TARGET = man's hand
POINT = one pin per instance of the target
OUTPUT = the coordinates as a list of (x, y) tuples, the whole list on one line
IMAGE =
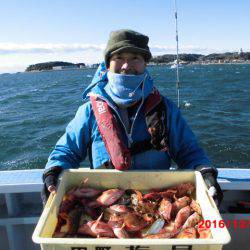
[(52, 189), (50, 179), (210, 177)]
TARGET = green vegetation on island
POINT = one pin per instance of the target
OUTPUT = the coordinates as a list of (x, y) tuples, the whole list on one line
[(54, 65)]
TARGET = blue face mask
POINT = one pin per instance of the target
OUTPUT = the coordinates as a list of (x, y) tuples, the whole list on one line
[(125, 90)]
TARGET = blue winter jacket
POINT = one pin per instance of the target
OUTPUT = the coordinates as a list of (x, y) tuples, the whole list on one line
[(82, 137)]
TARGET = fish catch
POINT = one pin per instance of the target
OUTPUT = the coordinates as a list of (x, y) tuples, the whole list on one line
[(116, 213)]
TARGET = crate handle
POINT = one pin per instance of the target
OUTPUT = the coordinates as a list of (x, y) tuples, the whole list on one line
[(50, 199), (211, 200), (182, 247)]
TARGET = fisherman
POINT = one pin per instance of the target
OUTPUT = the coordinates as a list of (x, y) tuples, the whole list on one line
[(125, 123)]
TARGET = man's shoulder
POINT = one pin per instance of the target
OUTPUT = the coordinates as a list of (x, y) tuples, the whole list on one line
[(169, 103), (85, 105), (85, 109)]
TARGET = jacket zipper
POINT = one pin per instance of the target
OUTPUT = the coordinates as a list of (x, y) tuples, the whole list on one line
[(136, 114), (129, 135)]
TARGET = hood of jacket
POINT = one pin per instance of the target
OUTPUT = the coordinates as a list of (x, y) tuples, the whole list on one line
[(99, 81)]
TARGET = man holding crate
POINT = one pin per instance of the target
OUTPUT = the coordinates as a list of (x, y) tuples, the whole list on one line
[(125, 123)]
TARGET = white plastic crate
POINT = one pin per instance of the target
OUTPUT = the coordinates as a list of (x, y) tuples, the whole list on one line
[(140, 180)]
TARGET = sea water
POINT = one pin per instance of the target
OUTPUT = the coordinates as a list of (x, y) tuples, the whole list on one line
[(35, 108)]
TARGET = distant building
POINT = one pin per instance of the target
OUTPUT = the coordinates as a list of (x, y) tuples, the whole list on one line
[(240, 51), (64, 67), (57, 67)]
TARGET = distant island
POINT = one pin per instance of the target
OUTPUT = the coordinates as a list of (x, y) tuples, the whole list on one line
[(228, 57), (53, 66)]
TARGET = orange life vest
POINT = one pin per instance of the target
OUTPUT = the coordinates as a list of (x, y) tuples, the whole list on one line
[(110, 130)]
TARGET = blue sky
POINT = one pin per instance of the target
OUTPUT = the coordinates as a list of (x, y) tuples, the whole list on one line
[(35, 31)]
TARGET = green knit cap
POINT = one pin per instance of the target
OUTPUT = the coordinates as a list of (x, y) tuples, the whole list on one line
[(125, 40)]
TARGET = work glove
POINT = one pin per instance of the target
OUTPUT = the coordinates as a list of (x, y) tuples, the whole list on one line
[(209, 175), (50, 178)]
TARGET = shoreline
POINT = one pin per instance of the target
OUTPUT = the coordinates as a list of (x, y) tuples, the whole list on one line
[(200, 63), (149, 65)]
